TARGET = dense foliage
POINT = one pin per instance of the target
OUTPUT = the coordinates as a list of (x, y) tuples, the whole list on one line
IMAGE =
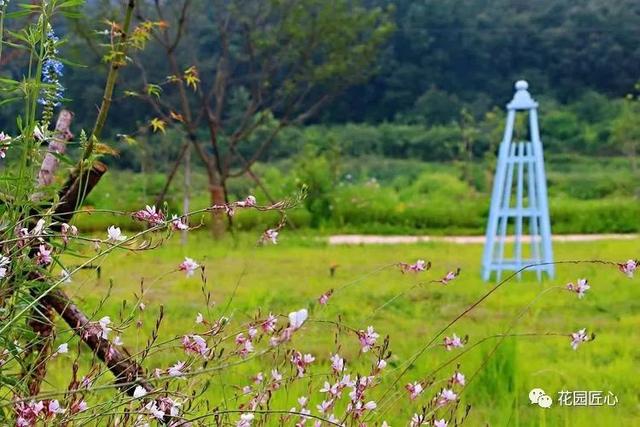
[(444, 55)]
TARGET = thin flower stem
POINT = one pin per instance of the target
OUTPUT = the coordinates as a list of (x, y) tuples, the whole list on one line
[(477, 303), (263, 412), (397, 395)]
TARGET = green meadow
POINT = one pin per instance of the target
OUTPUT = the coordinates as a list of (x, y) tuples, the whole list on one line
[(244, 280)]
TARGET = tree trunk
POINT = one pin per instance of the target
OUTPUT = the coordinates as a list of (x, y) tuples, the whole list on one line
[(171, 174), (41, 322), (186, 201), (218, 197)]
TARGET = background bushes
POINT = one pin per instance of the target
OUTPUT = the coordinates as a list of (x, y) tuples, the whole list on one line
[(374, 194)]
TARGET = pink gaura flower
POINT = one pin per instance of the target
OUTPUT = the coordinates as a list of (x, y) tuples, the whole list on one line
[(103, 327), (358, 407), (277, 376), (367, 338), (381, 364), (270, 235), (23, 235), (415, 389), (43, 257), (65, 276), (4, 264), (249, 202), (5, 141), (325, 406), (68, 230), (370, 405), (149, 214), (154, 410), (335, 390), (324, 298), (277, 379), (450, 276), (230, 210), (258, 378), (114, 234), (297, 318), (453, 342), (178, 224), (417, 267), (245, 346), (358, 387), (177, 370), (27, 413), (301, 362), (628, 267), (579, 288), (240, 339), (78, 406), (440, 423), (195, 344), (578, 338), (39, 229), (86, 382), (303, 400), (53, 408), (269, 325), (337, 363), (252, 332), (189, 266), (245, 420), (446, 396), (417, 420), (168, 405), (346, 381), (199, 318), (458, 378)]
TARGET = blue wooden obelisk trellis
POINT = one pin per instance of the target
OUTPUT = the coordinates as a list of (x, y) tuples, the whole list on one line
[(520, 169)]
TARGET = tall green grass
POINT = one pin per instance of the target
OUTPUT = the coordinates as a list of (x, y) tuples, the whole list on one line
[(294, 273)]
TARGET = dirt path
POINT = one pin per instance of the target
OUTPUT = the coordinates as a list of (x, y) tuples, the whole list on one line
[(365, 239)]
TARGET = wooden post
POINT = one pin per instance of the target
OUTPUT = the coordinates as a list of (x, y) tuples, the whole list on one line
[(57, 146)]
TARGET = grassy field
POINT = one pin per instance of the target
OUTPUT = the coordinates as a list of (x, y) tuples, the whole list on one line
[(294, 273)]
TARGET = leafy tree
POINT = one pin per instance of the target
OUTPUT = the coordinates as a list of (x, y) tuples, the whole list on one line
[(244, 70)]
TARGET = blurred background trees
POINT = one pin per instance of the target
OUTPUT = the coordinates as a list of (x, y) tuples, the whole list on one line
[(368, 95)]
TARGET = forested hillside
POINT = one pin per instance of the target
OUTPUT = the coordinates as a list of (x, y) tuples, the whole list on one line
[(443, 56)]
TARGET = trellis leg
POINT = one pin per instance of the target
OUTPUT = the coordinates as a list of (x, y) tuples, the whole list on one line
[(504, 210), (498, 183), (541, 185), (519, 207), (533, 207)]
